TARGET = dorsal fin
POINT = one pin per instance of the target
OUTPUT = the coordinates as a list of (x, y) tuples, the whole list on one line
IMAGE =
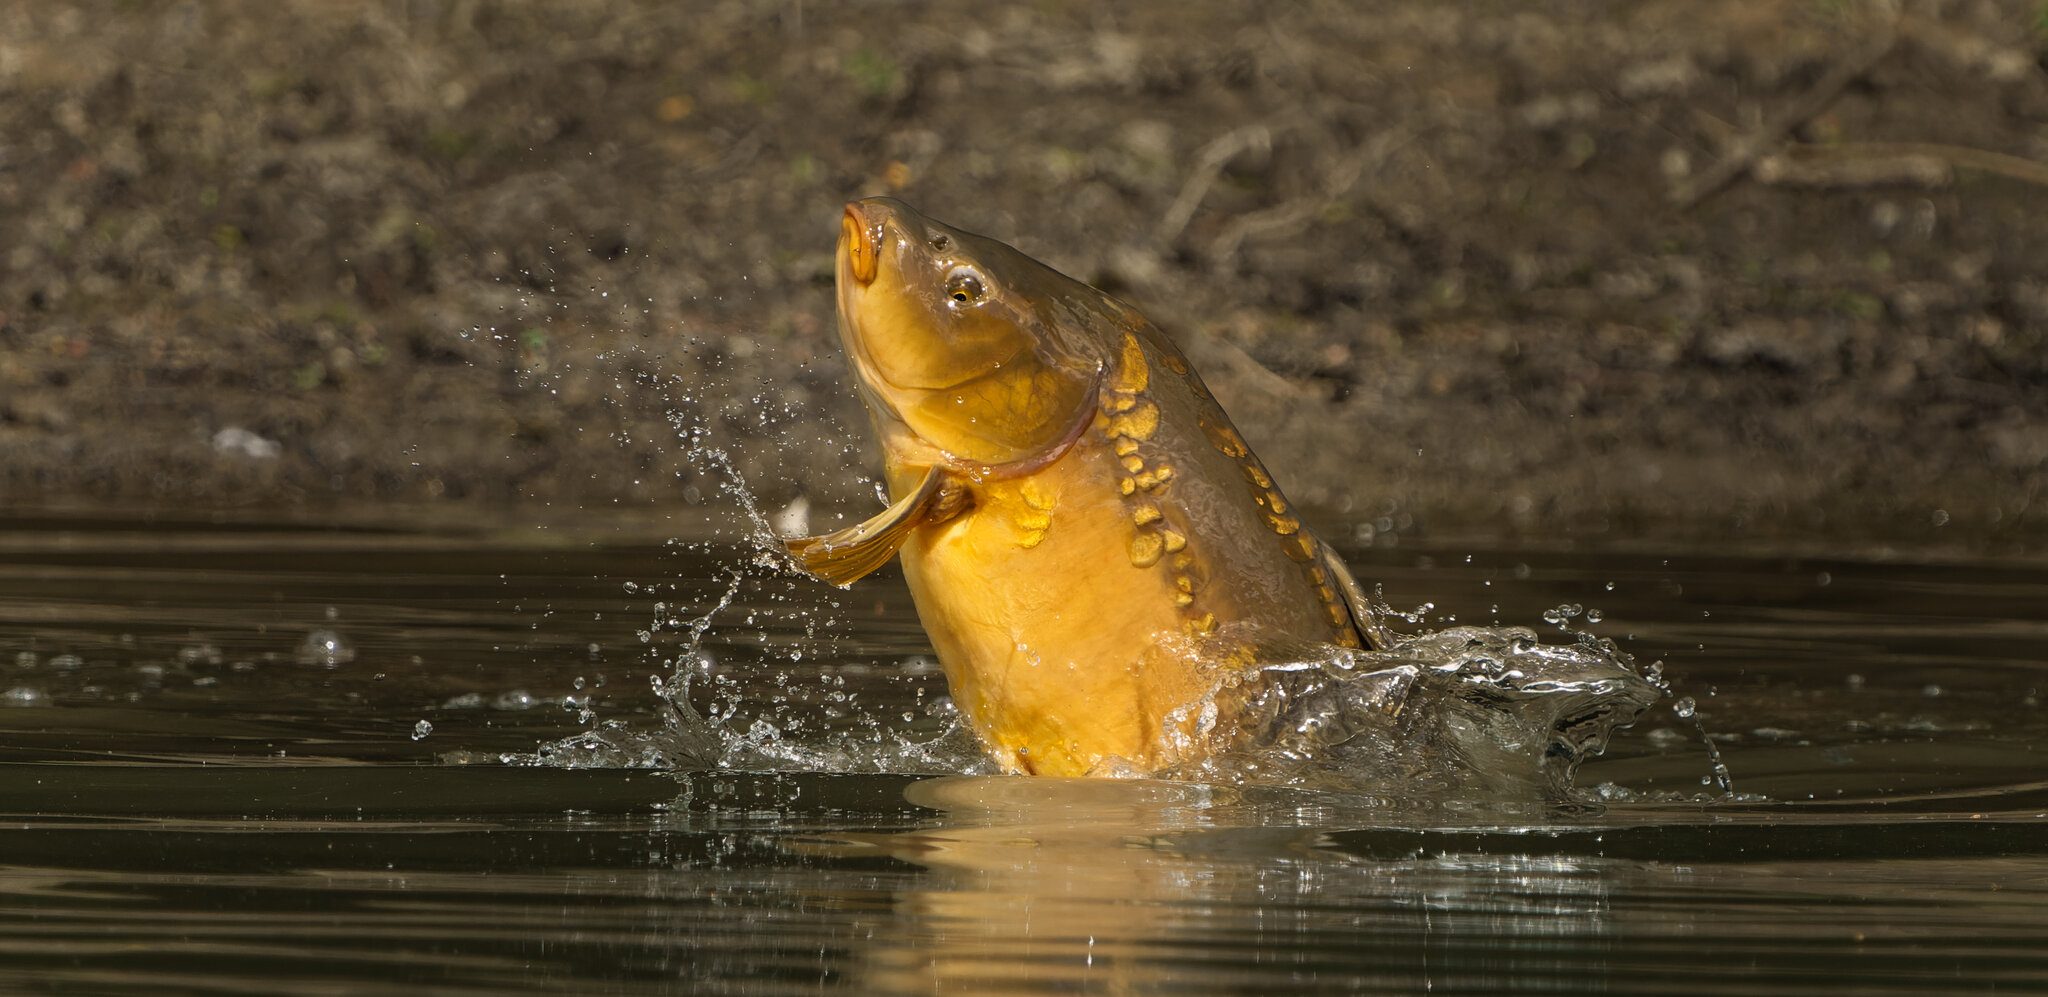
[(1371, 631)]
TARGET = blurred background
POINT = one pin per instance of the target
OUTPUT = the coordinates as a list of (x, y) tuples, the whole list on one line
[(1763, 265)]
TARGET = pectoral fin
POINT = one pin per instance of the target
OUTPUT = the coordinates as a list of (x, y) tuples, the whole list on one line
[(847, 555), (1370, 629)]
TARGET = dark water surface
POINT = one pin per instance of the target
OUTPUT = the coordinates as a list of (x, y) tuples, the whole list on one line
[(278, 758)]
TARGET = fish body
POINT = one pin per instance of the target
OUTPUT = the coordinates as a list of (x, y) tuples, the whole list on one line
[(1091, 545)]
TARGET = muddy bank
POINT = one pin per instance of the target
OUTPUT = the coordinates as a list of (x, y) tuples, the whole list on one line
[(1771, 265)]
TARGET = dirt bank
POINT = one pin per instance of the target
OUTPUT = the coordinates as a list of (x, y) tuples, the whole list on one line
[(1780, 265)]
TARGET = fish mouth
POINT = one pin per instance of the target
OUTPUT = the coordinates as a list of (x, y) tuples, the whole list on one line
[(862, 232), (859, 262), (860, 241)]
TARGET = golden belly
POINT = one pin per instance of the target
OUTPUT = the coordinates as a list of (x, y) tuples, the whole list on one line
[(1063, 653)]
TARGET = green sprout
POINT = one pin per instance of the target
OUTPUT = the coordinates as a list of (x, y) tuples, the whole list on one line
[(874, 73)]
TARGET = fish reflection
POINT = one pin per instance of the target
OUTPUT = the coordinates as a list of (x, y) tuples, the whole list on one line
[(1120, 887)]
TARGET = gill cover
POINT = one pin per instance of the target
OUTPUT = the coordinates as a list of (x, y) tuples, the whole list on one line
[(973, 349)]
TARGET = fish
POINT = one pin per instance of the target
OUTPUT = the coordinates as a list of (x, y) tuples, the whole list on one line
[(1092, 547)]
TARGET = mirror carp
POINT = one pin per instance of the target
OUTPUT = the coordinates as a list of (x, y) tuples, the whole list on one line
[(1091, 545)]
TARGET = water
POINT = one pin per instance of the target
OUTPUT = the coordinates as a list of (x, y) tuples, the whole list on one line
[(274, 757)]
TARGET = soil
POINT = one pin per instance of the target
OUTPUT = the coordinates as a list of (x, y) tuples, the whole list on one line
[(1579, 266)]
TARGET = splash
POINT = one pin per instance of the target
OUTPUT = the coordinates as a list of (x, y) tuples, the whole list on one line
[(1465, 711), (1718, 774), (725, 736), (731, 731)]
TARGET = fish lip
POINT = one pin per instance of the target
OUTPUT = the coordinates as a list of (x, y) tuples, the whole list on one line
[(859, 229), (860, 240)]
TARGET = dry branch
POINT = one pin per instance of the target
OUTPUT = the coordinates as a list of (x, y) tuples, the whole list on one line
[(1902, 157), (1749, 148)]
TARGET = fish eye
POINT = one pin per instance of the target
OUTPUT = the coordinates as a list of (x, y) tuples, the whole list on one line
[(964, 286)]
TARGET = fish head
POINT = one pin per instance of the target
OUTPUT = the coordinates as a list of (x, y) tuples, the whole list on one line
[(969, 353)]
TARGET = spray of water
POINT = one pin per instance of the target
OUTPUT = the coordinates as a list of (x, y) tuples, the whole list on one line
[(1683, 707)]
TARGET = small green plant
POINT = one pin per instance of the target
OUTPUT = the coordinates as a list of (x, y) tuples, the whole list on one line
[(803, 169), (874, 73), (450, 144), (751, 90), (337, 314), (1857, 304)]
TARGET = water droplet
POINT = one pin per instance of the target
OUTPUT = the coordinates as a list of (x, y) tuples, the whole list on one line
[(421, 730), (1685, 707), (325, 647), (24, 695)]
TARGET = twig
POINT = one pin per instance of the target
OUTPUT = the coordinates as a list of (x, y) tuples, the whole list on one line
[(1792, 169), (1956, 156), (1209, 165), (1295, 215), (1744, 153)]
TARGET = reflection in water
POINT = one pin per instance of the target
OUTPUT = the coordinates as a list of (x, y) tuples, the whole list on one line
[(864, 884), (1152, 887)]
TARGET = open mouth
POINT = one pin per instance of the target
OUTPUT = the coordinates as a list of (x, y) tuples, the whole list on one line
[(858, 239)]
